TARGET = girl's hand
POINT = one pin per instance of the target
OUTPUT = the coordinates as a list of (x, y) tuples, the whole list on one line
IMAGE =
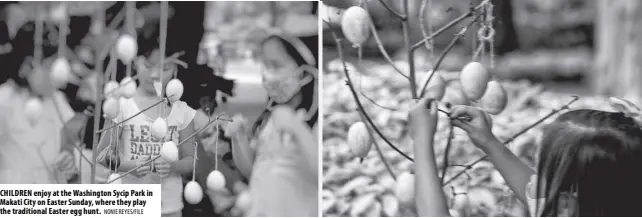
[(65, 163), (286, 119), (477, 124), (143, 170), (423, 118), (163, 168), (235, 127)]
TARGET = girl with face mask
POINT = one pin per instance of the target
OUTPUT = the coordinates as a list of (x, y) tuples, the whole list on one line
[(279, 152)]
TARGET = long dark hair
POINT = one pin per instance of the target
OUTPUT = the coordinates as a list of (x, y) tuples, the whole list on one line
[(594, 154), (307, 91)]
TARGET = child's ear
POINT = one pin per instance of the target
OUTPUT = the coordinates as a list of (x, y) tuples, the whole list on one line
[(624, 106)]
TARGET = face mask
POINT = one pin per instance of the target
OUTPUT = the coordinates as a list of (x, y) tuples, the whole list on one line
[(281, 90)]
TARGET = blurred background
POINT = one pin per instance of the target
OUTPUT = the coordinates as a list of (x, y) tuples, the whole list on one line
[(545, 51), (218, 40)]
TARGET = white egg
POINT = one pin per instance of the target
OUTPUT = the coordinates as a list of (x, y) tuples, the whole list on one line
[(193, 192), (128, 89), (243, 201), (405, 188), (114, 179), (33, 109), (60, 72), (159, 128), (215, 180), (111, 108), (174, 90), (169, 151), (126, 48), (111, 89)]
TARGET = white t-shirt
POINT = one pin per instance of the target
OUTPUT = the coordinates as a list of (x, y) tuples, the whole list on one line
[(29, 151), (138, 145)]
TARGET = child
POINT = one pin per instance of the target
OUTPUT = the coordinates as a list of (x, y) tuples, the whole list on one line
[(586, 167), (31, 152), (278, 168), (136, 143)]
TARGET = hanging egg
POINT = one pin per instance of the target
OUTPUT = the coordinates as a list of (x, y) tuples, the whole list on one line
[(111, 89), (216, 181), (128, 89), (474, 80), (355, 25), (405, 188), (60, 72), (159, 128), (111, 108), (126, 48), (33, 109), (243, 201), (114, 178), (174, 90), (169, 151), (359, 140), (495, 99), (58, 13), (193, 192)]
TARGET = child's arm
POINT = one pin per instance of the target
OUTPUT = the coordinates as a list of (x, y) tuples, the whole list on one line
[(516, 173), (185, 165), (429, 195), (242, 153)]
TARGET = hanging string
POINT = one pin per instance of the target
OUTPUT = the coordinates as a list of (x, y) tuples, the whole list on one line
[(163, 38), (38, 38), (130, 9), (194, 163), (489, 23), (430, 43), (216, 147), (62, 31)]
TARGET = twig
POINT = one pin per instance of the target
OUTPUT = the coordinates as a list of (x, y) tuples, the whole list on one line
[(356, 97), (564, 107), (411, 52), (382, 49), (376, 144), (97, 111), (448, 144), (393, 11), (451, 45), (377, 104), (129, 118), (450, 25), (180, 143)]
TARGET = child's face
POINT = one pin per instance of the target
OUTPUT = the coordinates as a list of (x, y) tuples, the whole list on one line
[(150, 72)]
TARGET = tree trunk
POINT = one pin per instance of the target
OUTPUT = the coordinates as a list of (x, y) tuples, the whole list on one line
[(618, 69)]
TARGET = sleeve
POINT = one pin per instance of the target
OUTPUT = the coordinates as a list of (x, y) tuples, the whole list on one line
[(531, 197), (188, 115)]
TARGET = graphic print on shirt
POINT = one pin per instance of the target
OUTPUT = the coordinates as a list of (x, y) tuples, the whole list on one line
[(143, 146)]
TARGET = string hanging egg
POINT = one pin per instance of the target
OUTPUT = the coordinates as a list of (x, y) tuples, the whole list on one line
[(111, 89), (33, 109), (159, 128), (405, 188), (128, 87), (126, 48), (174, 90), (193, 192), (114, 178), (111, 108), (169, 151), (215, 181), (60, 72)]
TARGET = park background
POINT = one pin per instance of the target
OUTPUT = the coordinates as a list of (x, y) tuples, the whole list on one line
[(546, 51)]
